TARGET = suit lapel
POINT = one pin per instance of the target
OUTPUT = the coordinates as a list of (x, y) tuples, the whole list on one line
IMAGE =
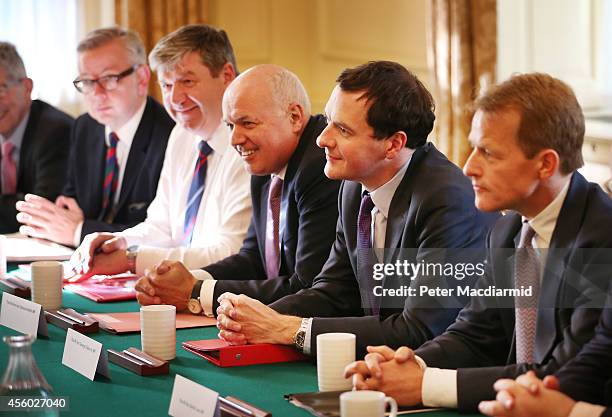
[(561, 245), (137, 154)]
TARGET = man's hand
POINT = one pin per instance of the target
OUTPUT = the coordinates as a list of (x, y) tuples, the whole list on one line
[(43, 219), (242, 320), (169, 283), (527, 396), (100, 253), (396, 373)]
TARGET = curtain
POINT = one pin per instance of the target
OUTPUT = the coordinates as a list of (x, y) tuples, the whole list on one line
[(153, 19), (462, 56)]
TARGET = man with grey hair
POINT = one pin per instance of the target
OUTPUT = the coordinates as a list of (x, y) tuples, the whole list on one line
[(202, 208), (117, 148), (294, 203), (34, 139)]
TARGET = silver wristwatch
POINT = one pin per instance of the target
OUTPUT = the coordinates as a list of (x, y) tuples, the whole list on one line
[(131, 253), (300, 335)]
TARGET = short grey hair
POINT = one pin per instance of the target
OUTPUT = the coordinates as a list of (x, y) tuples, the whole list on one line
[(131, 40), (211, 44), (11, 62), (288, 89)]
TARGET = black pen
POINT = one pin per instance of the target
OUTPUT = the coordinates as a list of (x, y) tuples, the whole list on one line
[(236, 406)]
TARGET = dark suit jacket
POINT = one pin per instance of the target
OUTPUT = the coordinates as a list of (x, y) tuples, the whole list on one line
[(480, 344), (145, 160), (42, 160), (433, 207), (309, 212), (588, 377)]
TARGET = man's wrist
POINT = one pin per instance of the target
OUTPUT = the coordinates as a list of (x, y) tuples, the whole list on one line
[(291, 325)]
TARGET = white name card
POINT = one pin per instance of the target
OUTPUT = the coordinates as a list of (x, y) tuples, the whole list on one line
[(84, 355), (192, 400), (22, 315)]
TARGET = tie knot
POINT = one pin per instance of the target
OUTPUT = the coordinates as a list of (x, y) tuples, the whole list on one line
[(366, 203), (7, 147), (527, 234), (276, 186), (205, 148), (114, 139)]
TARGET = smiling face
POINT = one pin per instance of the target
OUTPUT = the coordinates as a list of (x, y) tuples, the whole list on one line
[(351, 150), (192, 96), (502, 176), (113, 108), (14, 104), (264, 133)]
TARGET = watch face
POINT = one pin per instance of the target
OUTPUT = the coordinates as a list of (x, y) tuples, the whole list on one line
[(194, 306), (299, 339)]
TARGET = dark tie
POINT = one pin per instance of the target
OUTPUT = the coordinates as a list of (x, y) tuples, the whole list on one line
[(272, 250), (365, 253), (195, 191), (9, 169), (111, 178), (526, 273)]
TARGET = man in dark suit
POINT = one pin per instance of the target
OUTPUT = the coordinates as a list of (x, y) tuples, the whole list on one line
[(38, 137), (527, 135), (273, 131), (399, 193), (117, 149)]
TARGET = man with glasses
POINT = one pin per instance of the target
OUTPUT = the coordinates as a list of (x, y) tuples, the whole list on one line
[(34, 139), (117, 149)]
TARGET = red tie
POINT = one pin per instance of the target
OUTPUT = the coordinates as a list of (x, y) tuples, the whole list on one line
[(272, 250), (9, 169)]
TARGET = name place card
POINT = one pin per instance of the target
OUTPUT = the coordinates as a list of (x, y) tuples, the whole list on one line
[(22, 315), (85, 355), (190, 399)]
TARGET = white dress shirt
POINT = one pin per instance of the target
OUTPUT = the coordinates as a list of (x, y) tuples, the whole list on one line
[(126, 136), (439, 388), (223, 216)]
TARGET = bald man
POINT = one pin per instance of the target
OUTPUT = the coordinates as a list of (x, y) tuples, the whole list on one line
[(294, 203)]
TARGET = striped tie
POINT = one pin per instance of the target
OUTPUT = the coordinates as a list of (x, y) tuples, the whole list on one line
[(111, 178), (272, 248), (195, 191), (365, 253)]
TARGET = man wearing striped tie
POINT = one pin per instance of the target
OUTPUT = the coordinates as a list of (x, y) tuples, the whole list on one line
[(527, 135), (202, 208)]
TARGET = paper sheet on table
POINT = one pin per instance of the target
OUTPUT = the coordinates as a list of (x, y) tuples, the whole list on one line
[(20, 248), (130, 322)]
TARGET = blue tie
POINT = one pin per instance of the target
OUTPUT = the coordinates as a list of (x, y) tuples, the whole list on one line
[(195, 191), (365, 253)]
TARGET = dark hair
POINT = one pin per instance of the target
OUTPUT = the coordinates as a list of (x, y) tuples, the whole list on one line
[(398, 100), (551, 117), (213, 46)]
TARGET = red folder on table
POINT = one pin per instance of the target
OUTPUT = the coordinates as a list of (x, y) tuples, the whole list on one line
[(221, 353), (104, 288)]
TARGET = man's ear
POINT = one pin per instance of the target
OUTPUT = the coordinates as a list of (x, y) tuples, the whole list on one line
[(228, 72), (549, 163), (297, 117), (395, 144), (29, 85), (144, 75)]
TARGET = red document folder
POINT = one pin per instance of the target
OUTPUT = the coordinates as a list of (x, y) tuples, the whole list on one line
[(103, 288), (221, 353)]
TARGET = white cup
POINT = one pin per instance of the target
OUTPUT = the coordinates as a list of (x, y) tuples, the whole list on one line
[(158, 331), (47, 279), (334, 352), (2, 256), (366, 404)]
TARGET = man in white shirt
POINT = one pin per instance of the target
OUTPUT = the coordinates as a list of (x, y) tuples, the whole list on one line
[(117, 148), (202, 208), (527, 135)]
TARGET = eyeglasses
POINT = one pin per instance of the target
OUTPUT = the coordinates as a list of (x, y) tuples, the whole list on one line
[(4, 88), (108, 82)]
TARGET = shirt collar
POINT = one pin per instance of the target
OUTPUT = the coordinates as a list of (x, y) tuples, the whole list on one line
[(383, 195), (281, 174), (544, 222), (127, 132), (219, 141), (17, 136)]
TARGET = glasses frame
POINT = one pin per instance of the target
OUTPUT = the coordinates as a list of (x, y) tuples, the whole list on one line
[(117, 77)]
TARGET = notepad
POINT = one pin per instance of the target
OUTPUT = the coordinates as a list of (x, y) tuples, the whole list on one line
[(21, 248)]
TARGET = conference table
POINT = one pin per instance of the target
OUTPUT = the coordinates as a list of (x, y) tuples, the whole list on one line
[(128, 394)]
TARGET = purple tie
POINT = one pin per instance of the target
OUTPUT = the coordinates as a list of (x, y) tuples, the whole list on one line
[(365, 254), (111, 178), (526, 274), (272, 250), (9, 169)]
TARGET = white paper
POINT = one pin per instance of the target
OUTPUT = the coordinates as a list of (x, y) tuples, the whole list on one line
[(82, 354), (192, 400), (19, 248), (22, 315)]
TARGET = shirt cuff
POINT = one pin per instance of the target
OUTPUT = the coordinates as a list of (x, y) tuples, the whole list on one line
[(439, 388), (77, 234), (582, 409), (206, 291), (307, 342)]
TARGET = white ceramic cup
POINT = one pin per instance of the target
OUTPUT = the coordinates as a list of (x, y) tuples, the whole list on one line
[(334, 352), (47, 279), (2, 256), (158, 331), (366, 404)]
